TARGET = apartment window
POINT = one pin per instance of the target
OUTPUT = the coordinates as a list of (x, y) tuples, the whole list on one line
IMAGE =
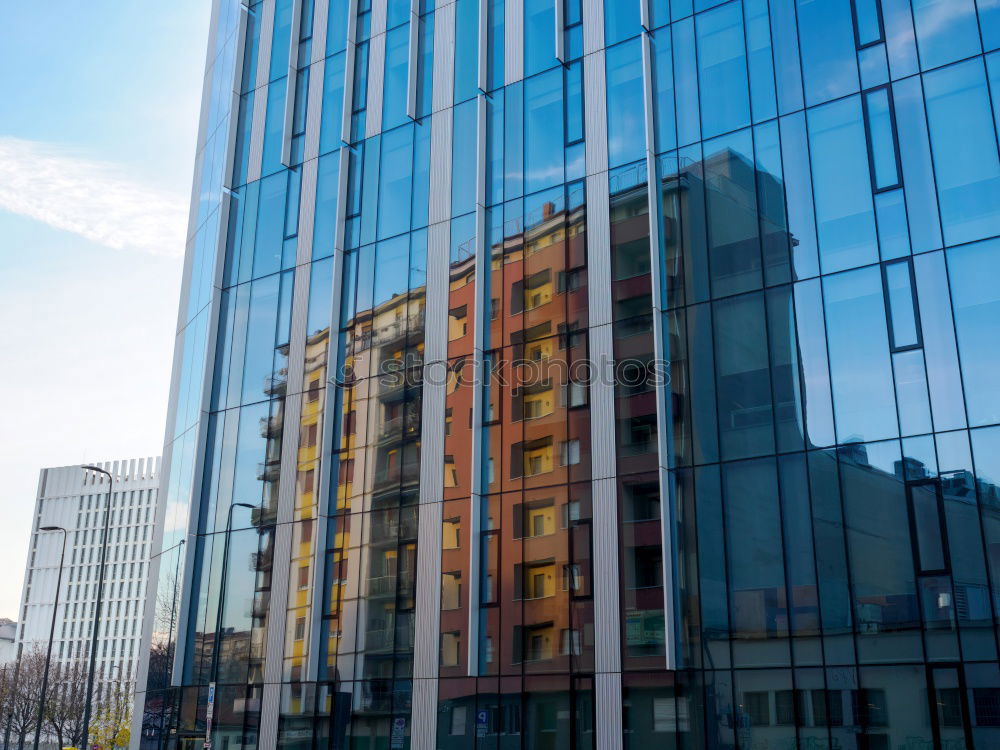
[(450, 472), (758, 708), (451, 590), (451, 646), (570, 643), (457, 721), (300, 628), (576, 394), (572, 580), (569, 452), (304, 577), (450, 533)]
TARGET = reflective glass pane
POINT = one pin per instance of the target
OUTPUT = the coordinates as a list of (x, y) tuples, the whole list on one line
[(975, 296), (722, 70), (826, 42), (946, 31), (964, 144), (859, 356), (845, 217)]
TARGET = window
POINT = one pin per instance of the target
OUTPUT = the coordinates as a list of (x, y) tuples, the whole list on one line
[(784, 707), (457, 721), (904, 330), (758, 708), (451, 533), (304, 577), (883, 150), (451, 644), (451, 590), (570, 642), (572, 579), (300, 628), (569, 452), (867, 22)]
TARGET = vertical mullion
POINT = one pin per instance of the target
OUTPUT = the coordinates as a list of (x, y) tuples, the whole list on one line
[(291, 88)]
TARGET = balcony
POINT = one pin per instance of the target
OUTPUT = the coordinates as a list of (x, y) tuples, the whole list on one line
[(388, 478), (390, 530), (388, 639), (412, 325), (268, 471), (399, 428), (383, 586), (270, 427), (275, 384)]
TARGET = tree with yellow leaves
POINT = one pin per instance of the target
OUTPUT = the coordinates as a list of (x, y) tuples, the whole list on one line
[(110, 726)]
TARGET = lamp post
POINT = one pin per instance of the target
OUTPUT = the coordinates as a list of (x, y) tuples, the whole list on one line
[(217, 641), (52, 632), (97, 606), (222, 588), (173, 604)]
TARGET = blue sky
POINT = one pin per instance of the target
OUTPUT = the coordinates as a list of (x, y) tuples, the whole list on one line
[(98, 120)]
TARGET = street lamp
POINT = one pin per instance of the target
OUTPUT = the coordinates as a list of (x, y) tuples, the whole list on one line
[(173, 604), (222, 587), (217, 643), (52, 632), (97, 606)]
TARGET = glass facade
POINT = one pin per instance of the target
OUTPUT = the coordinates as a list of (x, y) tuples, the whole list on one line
[(588, 374)]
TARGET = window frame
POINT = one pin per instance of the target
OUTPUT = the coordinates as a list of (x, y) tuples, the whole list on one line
[(919, 344), (857, 31), (876, 189)]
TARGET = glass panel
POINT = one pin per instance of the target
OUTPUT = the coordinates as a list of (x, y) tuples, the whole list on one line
[(626, 136), (722, 70), (664, 118), (760, 60), (466, 49), (744, 384), (973, 271), (965, 151), (397, 49), (911, 392), (621, 21), (539, 36), (946, 31), (845, 217), (859, 356), (829, 56), (543, 131)]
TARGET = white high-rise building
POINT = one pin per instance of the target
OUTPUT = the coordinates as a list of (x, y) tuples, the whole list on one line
[(74, 499)]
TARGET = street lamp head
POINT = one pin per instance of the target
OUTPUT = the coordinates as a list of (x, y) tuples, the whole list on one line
[(51, 528), (243, 505)]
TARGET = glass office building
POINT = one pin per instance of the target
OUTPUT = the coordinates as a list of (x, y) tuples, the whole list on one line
[(586, 374)]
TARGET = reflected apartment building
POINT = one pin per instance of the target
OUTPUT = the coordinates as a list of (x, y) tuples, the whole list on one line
[(585, 374)]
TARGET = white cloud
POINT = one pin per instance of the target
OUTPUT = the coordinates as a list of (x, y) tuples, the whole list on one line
[(93, 199)]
